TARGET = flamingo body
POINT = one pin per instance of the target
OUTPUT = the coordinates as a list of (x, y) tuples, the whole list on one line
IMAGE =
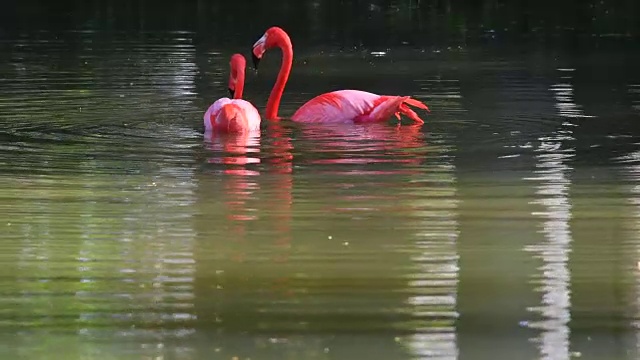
[(356, 106), (336, 106), (231, 116)]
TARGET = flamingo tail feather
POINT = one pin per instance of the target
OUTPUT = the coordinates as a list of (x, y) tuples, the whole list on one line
[(405, 110), (416, 103)]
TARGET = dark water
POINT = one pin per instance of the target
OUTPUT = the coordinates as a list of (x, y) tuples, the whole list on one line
[(505, 227)]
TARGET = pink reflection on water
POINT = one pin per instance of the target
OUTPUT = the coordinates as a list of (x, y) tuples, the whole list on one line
[(280, 160), (280, 151), (254, 195), (238, 149), (235, 151), (366, 145), (359, 159)]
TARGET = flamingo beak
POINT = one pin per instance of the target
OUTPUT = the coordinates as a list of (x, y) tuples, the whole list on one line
[(231, 92), (258, 51)]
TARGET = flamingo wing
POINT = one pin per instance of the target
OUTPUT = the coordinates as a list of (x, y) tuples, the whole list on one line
[(212, 112), (236, 115), (386, 106), (335, 106), (356, 106), (250, 113)]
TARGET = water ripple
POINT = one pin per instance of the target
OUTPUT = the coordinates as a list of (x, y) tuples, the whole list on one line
[(127, 233)]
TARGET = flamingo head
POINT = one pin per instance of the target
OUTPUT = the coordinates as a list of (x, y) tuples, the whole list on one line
[(274, 36), (236, 76)]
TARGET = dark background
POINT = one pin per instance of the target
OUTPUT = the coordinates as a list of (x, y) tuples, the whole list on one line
[(341, 22)]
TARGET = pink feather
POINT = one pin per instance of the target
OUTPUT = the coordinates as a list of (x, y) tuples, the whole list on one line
[(231, 115), (356, 106)]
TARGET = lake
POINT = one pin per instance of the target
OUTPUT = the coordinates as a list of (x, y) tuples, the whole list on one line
[(506, 226)]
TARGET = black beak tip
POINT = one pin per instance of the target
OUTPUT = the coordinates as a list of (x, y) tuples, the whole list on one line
[(230, 92), (256, 61)]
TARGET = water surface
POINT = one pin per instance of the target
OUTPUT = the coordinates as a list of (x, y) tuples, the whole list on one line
[(505, 227)]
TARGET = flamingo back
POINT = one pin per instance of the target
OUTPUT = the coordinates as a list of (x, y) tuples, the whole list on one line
[(235, 115), (212, 112), (356, 106), (336, 106)]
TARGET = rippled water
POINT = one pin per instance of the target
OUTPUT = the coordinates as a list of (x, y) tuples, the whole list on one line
[(505, 227)]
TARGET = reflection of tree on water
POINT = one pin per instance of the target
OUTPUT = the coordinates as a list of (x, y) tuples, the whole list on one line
[(433, 284), (555, 154), (114, 258), (106, 269), (348, 22), (629, 270), (554, 252), (632, 170), (511, 102)]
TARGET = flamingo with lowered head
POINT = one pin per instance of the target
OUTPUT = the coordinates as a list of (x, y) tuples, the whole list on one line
[(233, 115), (337, 106)]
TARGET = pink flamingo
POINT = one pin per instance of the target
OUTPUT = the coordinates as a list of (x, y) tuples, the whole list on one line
[(233, 115), (336, 106)]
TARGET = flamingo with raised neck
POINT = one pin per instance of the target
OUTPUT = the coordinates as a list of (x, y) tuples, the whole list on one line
[(337, 106), (233, 115)]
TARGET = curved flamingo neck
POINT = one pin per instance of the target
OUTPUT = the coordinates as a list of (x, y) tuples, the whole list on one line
[(237, 94), (273, 104)]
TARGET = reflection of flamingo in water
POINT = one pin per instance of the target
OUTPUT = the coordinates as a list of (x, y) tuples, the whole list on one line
[(336, 106), (236, 152), (241, 120), (237, 148), (361, 157), (367, 144), (233, 115), (281, 198), (255, 190)]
